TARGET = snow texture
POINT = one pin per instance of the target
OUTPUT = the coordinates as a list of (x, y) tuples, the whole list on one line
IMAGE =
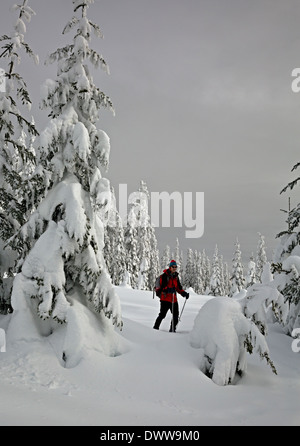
[(149, 378)]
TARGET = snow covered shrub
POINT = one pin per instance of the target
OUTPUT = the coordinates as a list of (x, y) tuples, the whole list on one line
[(224, 336)]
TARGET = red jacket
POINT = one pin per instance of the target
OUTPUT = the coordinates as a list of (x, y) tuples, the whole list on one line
[(170, 284)]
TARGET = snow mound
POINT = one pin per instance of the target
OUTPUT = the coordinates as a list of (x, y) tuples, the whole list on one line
[(290, 262), (224, 335), (155, 383), (84, 331)]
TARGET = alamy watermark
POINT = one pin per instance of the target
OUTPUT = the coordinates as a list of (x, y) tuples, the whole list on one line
[(2, 341), (296, 89), (176, 209), (296, 82), (296, 341), (2, 81)]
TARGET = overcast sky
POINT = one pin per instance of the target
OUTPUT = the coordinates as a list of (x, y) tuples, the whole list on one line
[(203, 100)]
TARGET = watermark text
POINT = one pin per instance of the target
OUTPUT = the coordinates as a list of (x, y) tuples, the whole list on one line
[(2, 341), (166, 210)]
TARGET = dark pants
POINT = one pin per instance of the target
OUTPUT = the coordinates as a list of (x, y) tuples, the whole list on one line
[(165, 306)]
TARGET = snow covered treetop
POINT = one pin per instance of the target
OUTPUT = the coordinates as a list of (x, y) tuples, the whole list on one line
[(74, 102), (81, 3)]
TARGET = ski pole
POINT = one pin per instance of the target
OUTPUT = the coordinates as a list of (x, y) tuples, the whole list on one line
[(182, 310), (173, 313)]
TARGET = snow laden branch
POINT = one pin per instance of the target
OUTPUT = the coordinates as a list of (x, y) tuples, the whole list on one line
[(293, 183), (262, 296), (67, 144), (287, 280), (287, 263), (224, 336), (16, 39), (72, 66), (67, 252)]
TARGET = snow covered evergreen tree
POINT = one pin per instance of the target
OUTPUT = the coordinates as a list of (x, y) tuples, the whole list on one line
[(279, 292), (251, 273), (140, 242), (131, 248), (189, 272), (154, 270), (237, 277), (206, 268), (261, 258), (227, 283), (222, 275), (198, 281), (65, 270), (182, 271), (216, 279), (17, 157), (178, 257), (114, 250), (166, 258), (286, 266), (148, 251)]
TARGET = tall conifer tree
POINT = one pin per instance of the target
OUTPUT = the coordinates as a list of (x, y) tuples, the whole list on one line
[(66, 262), (17, 157), (286, 264), (237, 278)]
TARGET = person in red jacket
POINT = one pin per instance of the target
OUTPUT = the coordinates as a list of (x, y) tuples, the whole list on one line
[(169, 286)]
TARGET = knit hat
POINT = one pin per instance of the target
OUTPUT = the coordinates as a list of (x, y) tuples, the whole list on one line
[(173, 263)]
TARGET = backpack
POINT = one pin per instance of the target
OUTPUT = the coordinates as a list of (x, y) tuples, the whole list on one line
[(157, 287)]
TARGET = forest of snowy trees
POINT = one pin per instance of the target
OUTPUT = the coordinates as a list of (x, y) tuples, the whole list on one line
[(61, 236)]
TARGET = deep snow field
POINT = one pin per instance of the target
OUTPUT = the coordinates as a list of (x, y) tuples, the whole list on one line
[(155, 382)]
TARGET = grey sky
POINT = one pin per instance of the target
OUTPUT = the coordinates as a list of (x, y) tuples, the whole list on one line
[(202, 92)]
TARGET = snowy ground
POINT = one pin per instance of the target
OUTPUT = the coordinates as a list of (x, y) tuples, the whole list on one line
[(155, 382)]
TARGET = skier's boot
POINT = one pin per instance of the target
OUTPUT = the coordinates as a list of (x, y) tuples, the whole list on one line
[(157, 324), (172, 328)]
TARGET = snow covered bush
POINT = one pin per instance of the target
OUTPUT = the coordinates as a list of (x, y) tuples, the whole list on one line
[(225, 335)]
